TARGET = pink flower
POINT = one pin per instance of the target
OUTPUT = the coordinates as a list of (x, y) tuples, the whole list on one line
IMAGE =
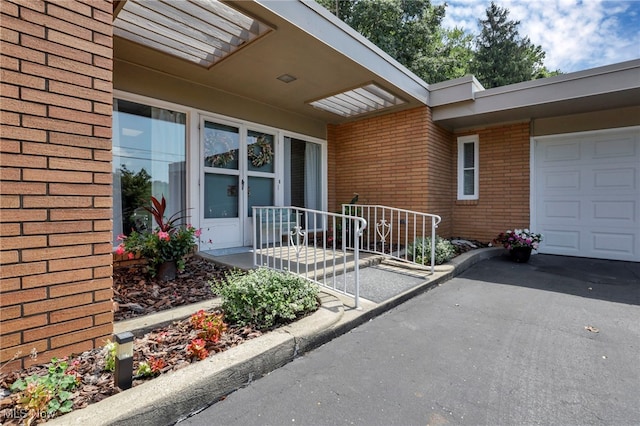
[(120, 249), (164, 235), (121, 237), (130, 255), (198, 232)]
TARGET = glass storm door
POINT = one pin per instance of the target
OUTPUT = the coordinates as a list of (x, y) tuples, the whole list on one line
[(260, 176), (238, 167)]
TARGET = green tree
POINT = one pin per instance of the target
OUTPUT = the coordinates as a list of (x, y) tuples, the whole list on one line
[(135, 193), (410, 31), (340, 8), (452, 58), (502, 57)]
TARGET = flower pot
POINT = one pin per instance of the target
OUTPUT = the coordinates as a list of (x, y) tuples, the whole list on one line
[(520, 254), (167, 270)]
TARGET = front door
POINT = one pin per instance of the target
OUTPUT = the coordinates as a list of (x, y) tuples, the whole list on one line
[(238, 172)]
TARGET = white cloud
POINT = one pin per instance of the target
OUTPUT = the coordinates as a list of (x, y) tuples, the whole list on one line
[(575, 34)]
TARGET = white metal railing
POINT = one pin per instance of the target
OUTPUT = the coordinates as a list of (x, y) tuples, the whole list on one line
[(310, 243), (393, 232)]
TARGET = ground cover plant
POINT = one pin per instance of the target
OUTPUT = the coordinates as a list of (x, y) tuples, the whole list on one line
[(420, 250), (265, 298)]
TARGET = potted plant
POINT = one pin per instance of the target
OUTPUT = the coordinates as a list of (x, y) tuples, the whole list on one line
[(519, 242), (165, 247)]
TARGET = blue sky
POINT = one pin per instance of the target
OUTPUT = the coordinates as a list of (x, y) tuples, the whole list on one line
[(575, 34)]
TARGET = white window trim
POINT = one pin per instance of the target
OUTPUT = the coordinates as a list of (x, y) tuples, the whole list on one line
[(325, 164), (158, 103), (462, 140)]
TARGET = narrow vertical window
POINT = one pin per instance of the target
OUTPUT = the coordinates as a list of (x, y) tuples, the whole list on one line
[(468, 167)]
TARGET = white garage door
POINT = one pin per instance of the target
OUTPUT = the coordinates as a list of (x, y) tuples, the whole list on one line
[(586, 194)]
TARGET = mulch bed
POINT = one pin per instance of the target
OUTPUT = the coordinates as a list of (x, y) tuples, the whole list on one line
[(136, 294), (166, 343)]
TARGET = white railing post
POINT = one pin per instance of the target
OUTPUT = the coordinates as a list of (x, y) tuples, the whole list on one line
[(433, 244), (356, 259), (255, 234)]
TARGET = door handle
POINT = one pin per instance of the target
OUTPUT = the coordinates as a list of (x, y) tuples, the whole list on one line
[(242, 187)]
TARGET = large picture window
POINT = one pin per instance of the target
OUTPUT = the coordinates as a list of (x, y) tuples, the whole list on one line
[(468, 167), (149, 153)]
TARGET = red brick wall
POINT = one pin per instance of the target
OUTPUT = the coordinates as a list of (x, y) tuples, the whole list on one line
[(503, 201), (55, 181), (399, 160)]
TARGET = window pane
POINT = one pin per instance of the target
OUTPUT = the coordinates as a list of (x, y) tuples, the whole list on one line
[(469, 158), (220, 196), (260, 152), (469, 183), (221, 145), (260, 192), (148, 159)]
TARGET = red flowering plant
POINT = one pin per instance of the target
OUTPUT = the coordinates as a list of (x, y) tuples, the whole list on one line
[(197, 348), (210, 325), (169, 241), (152, 367), (519, 238)]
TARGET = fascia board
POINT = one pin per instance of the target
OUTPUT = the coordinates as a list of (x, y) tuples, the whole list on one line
[(318, 22), (583, 84), (452, 91)]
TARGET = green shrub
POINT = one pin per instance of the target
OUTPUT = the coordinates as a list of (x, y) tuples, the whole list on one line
[(265, 298), (420, 250)]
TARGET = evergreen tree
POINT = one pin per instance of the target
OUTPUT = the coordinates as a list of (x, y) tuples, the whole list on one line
[(502, 57)]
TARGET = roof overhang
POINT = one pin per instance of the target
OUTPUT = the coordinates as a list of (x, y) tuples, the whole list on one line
[(463, 103), (316, 54)]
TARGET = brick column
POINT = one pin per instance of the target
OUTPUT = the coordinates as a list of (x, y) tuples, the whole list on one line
[(55, 178)]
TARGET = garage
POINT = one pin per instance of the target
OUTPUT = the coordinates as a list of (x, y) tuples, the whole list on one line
[(585, 193)]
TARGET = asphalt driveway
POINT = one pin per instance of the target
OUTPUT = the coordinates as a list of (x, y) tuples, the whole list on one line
[(552, 342)]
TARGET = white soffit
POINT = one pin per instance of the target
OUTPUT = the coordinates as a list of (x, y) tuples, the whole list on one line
[(200, 31), (358, 101)]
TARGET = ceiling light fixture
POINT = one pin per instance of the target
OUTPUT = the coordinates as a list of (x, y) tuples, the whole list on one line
[(287, 78)]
